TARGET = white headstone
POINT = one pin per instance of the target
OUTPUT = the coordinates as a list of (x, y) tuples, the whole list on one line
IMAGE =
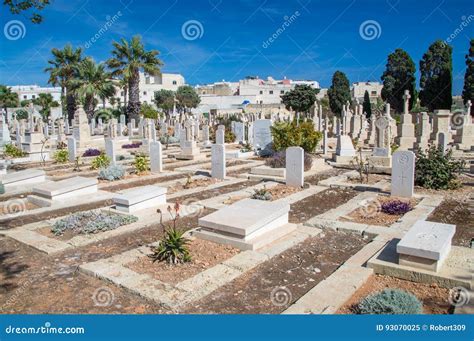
[(442, 141), (294, 166), (262, 133), (110, 150), (220, 135), (218, 170), (403, 174), (156, 157), (71, 148)]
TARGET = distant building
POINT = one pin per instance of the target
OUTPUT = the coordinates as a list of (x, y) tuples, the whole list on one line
[(30, 92), (373, 88)]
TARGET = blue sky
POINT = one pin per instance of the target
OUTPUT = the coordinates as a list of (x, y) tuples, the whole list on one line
[(323, 36)]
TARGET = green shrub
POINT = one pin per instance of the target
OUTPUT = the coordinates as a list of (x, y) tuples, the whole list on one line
[(290, 134), (101, 161), (173, 248), (13, 151), (147, 111), (262, 194), (61, 156), (391, 301), (436, 169), (141, 163), (229, 137), (112, 172)]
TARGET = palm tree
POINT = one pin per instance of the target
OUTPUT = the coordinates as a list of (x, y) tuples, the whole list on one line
[(92, 81), (128, 58), (61, 71), (8, 99), (46, 102)]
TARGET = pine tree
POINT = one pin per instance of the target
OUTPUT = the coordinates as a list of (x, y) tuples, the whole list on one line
[(339, 93), (468, 91), (436, 80), (399, 75)]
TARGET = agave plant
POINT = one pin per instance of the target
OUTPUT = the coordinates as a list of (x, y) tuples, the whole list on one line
[(173, 248)]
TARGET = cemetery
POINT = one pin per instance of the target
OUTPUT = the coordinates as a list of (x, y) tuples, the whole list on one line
[(184, 228), (320, 203)]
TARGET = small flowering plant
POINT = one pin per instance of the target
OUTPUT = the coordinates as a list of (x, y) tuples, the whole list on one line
[(396, 207), (173, 248)]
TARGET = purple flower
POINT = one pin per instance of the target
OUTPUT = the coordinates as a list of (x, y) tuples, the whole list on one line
[(91, 152), (396, 207)]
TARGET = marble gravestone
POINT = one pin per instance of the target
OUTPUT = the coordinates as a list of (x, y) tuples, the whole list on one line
[(403, 174), (110, 150), (218, 170), (72, 148), (295, 167), (262, 135), (220, 135)]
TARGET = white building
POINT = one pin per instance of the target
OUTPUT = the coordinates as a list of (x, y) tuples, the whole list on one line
[(373, 88), (150, 84), (30, 92)]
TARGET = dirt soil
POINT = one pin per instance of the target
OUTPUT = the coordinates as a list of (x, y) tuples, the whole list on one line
[(373, 179), (141, 182), (433, 297), (274, 285), (16, 206), (214, 192), (314, 179), (371, 214), (205, 255), (178, 186), (281, 191), (319, 203), (32, 282), (459, 213)]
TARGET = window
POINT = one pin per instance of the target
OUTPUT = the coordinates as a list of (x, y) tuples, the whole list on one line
[(175, 82), (271, 92), (373, 93), (282, 92), (144, 93), (121, 93), (34, 96), (261, 92), (24, 96)]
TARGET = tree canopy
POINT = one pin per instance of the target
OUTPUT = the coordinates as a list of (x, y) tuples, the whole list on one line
[(468, 90), (339, 93), (300, 99)]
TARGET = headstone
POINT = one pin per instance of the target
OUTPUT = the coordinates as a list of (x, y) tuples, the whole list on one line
[(325, 141), (218, 168), (344, 146), (220, 135), (239, 132), (403, 174), (295, 167), (423, 135), (262, 133), (156, 157), (81, 130), (110, 150), (71, 148), (406, 129), (442, 142)]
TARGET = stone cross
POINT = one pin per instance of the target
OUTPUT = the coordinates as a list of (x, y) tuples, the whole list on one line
[(406, 102)]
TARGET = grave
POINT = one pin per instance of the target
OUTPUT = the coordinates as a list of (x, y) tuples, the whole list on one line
[(295, 167), (23, 177), (220, 135), (262, 136), (139, 198), (218, 168), (110, 150), (403, 174), (247, 224), (44, 195), (72, 149), (426, 245), (345, 151)]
